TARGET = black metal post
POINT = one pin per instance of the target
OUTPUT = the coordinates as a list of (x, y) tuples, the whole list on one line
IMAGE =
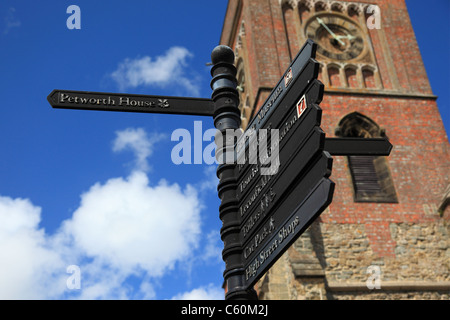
[(227, 116)]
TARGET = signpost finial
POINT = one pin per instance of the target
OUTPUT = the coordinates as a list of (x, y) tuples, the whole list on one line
[(222, 53)]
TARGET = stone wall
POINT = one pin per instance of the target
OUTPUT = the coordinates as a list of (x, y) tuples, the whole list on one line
[(335, 261)]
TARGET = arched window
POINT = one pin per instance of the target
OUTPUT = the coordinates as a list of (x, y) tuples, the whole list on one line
[(371, 177), (351, 77), (320, 6), (337, 7), (241, 86), (290, 26), (303, 11), (369, 78), (334, 76), (243, 96), (353, 10)]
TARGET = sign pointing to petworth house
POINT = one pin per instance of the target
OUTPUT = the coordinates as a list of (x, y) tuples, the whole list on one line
[(87, 100)]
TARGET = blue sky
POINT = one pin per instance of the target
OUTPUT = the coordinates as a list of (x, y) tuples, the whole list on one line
[(99, 190)]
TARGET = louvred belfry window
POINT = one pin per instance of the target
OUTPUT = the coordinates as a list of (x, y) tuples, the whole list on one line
[(370, 175)]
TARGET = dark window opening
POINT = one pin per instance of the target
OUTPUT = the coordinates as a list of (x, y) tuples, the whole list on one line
[(371, 177)]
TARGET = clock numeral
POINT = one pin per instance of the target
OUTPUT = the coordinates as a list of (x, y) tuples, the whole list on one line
[(314, 25), (354, 33), (325, 53), (359, 46), (346, 56), (334, 56)]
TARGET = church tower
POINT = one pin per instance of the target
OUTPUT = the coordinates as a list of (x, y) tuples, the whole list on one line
[(386, 233)]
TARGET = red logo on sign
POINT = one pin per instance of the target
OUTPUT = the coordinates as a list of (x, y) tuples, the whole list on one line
[(301, 106)]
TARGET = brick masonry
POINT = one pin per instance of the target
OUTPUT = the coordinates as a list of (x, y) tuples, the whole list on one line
[(408, 241)]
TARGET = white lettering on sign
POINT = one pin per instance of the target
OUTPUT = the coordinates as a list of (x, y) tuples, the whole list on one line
[(265, 253), (68, 98), (265, 109)]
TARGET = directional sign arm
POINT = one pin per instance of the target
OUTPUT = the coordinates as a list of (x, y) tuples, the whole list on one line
[(87, 100), (315, 92), (358, 146), (296, 69)]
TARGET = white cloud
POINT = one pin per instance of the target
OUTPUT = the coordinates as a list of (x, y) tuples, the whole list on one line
[(99, 281), (29, 268), (123, 227), (210, 292), (163, 71), (147, 291), (213, 248), (211, 181), (131, 226), (139, 142), (11, 21)]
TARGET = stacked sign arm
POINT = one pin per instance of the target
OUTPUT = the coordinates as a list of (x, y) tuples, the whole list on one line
[(276, 209)]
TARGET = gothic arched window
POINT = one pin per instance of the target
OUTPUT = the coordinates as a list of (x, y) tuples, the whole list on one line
[(371, 177)]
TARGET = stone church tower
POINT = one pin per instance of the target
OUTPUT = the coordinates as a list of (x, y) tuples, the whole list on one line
[(386, 233)]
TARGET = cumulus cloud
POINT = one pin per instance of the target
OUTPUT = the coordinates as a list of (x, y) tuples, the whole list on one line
[(26, 256), (210, 181), (213, 248), (127, 227), (162, 71), (139, 142), (124, 222), (10, 21), (123, 227), (209, 292)]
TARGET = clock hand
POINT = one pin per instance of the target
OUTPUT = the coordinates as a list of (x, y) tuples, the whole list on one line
[(348, 36), (329, 31)]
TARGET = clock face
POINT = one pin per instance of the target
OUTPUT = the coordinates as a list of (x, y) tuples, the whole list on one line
[(337, 37)]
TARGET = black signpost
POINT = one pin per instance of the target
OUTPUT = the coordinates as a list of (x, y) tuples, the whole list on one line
[(274, 210), (262, 213)]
